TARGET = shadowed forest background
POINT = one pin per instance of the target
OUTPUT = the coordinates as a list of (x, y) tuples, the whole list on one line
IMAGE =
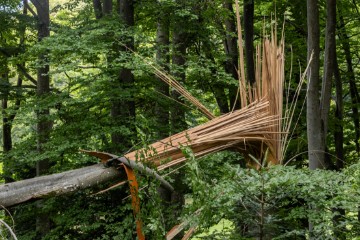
[(76, 75)]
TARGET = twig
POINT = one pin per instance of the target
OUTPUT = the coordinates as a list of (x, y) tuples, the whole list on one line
[(9, 228)]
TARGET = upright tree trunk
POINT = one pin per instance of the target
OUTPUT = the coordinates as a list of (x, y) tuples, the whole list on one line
[(230, 45), (178, 60), (316, 147), (163, 59), (97, 9), (124, 108), (249, 38), (355, 98), (6, 131), (43, 83), (329, 64), (107, 7), (354, 94), (339, 130), (339, 149), (218, 89), (43, 90)]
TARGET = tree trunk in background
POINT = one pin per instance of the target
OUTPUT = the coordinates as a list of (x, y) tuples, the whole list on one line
[(339, 148), (43, 89), (43, 84), (177, 118), (124, 108), (217, 88), (314, 129), (316, 147), (163, 59), (6, 131), (339, 111), (355, 98), (329, 63), (354, 94), (107, 7), (249, 38), (97, 9), (230, 45), (331, 69)]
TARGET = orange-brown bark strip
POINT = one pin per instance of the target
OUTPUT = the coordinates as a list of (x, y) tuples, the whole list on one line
[(135, 200)]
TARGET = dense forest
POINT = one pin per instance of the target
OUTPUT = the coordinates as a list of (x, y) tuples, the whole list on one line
[(83, 75)]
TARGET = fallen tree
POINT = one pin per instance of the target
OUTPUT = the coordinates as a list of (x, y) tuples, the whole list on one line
[(56, 184), (249, 130)]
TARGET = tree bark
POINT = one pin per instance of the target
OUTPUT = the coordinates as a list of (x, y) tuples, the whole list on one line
[(339, 111), (6, 132), (329, 65), (97, 9), (107, 7), (43, 83), (339, 147), (218, 89), (249, 38), (177, 118), (163, 59), (44, 125), (230, 45), (354, 94), (56, 184), (316, 147), (124, 108)]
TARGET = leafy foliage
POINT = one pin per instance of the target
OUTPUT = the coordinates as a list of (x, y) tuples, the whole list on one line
[(86, 55), (276, 202)]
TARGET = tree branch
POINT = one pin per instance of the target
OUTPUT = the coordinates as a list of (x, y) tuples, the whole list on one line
[(30, 9), (20, 67)]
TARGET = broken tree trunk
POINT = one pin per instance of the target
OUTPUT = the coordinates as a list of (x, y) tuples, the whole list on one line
[(56, 184), (250, 130)]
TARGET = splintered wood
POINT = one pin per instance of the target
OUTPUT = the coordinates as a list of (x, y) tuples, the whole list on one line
[(240, 130), (257, 126)]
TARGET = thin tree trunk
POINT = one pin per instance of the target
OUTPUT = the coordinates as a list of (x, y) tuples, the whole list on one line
[(339, 148), (217, 88), (43, 90), (6, 133), (249, 38), (163, 59), (43, 83), (354, 94), (124, 108), (97, 9), (355, 98), (314, 129), (339, 130), (178, 60), (316, 147), (107, 7), (329, 64), (230, 45)]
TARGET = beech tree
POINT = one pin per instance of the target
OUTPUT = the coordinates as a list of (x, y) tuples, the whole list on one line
[(315, 128)]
